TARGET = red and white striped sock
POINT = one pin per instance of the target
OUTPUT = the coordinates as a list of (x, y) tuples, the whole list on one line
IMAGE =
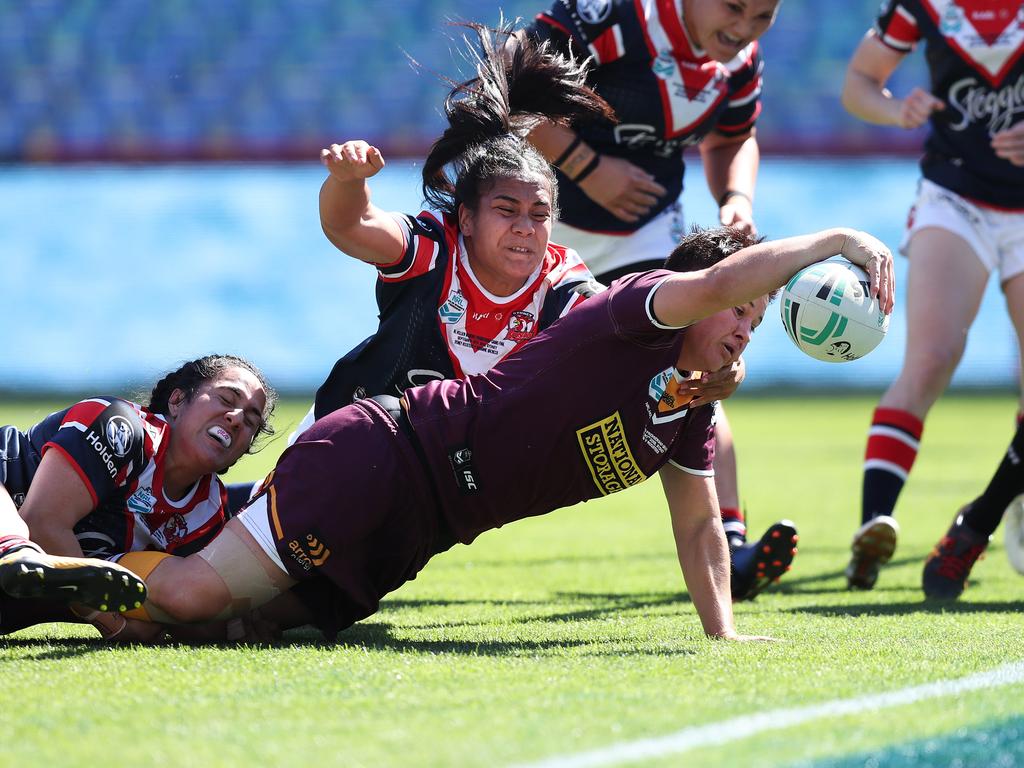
[(893, 442)]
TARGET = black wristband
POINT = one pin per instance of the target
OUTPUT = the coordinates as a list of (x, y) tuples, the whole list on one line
[(733, 193), (568, 151), (588, 168)]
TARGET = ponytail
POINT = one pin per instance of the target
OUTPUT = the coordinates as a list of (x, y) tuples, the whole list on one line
[(519, 83)]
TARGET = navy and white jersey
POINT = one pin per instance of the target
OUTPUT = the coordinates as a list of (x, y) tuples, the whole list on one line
[(666, 93), (438, 322), (973, 50), (117, 448)]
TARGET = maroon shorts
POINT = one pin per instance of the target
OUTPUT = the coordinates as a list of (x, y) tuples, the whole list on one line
[(351, 507)]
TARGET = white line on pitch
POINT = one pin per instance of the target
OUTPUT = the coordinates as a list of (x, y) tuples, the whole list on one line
[(737, 728)]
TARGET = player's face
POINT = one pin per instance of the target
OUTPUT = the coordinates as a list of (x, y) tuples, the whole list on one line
[(507, 235), (723, 28), (719, 340), (211, 431)]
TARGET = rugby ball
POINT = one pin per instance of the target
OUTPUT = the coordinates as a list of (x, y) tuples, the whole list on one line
[(829, 314)]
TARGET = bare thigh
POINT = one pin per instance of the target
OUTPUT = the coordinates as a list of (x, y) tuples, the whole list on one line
[(945, 284)]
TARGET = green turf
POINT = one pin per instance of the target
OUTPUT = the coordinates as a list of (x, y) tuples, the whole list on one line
[(572, 632)]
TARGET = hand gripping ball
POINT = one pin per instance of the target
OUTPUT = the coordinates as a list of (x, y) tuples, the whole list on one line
[(828, 313)]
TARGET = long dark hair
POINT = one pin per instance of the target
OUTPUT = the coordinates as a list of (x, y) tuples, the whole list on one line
[(519, 83), (190, 375)]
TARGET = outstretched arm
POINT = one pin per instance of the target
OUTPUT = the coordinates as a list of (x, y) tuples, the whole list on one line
[(348, 217), (700, 545), (753, 272)]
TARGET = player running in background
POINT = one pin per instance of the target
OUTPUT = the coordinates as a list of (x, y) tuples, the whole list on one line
[(674, 80), (363, 499), (108, 476), (967, 220)]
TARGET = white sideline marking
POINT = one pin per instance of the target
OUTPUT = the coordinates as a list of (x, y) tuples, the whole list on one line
[(737, 728)]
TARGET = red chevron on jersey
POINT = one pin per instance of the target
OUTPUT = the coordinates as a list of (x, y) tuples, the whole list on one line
[(989, 18), (690, 89), (987, 34)]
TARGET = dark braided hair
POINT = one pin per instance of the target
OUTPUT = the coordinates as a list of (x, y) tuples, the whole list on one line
[(519, 83), (192, 374)]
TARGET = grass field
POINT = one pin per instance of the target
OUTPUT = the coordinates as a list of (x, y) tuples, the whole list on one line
[(572, 633)]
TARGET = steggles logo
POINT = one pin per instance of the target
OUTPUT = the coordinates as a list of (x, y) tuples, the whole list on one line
[(974, 102)]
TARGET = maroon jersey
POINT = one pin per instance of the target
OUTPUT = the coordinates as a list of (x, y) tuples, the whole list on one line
[(974, 52), (360, 502), (583, 410)]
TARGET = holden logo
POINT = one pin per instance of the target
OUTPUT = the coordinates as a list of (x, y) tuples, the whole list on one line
[(119, 436)]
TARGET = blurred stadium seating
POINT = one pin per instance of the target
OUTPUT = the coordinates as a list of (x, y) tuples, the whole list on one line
[(276, 79)]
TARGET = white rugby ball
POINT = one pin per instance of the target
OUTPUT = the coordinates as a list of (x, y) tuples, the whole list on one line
[(829, 314)]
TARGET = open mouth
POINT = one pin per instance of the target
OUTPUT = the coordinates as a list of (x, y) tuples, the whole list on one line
[(220, 435), (729, 41)]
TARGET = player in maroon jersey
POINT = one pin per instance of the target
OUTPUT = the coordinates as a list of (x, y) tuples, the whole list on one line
[(967, 222), (107, 476), (675, 79), (591, 406)]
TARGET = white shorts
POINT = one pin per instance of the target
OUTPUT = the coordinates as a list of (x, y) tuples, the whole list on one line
[(605, 252), (257, 522), (996, 237)]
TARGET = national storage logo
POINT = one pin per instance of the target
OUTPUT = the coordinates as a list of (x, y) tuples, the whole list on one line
[(607, 455)]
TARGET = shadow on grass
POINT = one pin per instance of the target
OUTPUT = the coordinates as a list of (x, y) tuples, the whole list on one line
[(803, 585), (594, 605), (922, 606), (45, 648)]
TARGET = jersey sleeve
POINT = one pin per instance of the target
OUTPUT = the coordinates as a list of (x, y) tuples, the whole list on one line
[(104, 442), (571, 283), (630, 304), (592, 28), (896, 27), (695, 452), (745, 83), (428, 238)]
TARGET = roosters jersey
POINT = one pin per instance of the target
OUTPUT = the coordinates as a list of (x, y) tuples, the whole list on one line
[(585, 409), (666, 92), (973, 49), (117, 448), (438, 322)]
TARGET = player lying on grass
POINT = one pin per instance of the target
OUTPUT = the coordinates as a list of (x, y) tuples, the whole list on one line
[(364, 498), (27, 572), (107, 476)]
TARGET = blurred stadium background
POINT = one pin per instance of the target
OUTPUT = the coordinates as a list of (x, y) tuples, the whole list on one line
[(160, 179)]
